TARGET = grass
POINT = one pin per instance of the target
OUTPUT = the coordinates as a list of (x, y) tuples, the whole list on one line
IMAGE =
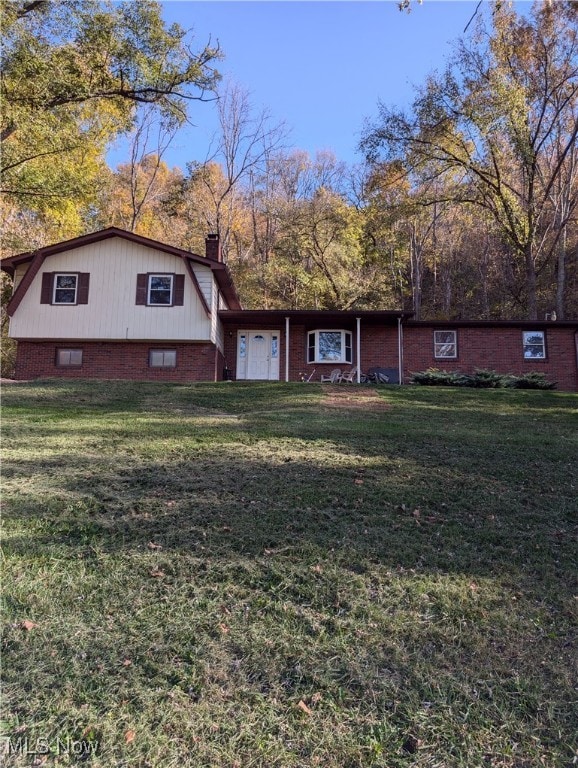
[(241, 575)]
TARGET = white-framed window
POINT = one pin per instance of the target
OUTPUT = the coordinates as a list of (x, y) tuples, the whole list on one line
[(69, 358), (534, 345), (160, 290), (446, 345), (274, 346), (65, 289), (329, 346), (163, 358)]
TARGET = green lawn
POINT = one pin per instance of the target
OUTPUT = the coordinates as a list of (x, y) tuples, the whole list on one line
[(236, 575)]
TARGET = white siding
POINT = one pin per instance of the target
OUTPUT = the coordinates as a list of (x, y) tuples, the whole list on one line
[(206, 283), (111, 312)]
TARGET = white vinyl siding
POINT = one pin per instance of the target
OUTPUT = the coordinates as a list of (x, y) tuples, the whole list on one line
[(112, 312)]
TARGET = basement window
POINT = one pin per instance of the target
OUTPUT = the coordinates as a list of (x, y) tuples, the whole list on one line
[(69, 358), (329, 347), (163, 358), (534, 344), (445, 345)]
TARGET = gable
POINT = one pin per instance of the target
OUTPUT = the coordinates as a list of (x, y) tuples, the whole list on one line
[(106, 305), (32, 261)]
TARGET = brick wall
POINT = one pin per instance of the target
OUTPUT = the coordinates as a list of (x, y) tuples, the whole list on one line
[(378, 348), (119, 360), (494, 348)]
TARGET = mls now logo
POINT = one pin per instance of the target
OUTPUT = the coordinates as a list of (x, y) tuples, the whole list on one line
[(22, 745)]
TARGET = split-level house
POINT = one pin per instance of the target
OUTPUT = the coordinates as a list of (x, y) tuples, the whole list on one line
[(115, 305)]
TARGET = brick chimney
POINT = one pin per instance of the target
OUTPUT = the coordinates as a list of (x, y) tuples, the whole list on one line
[(213, 248)]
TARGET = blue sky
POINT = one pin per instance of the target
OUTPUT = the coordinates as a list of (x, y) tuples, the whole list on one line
[(320, 67)]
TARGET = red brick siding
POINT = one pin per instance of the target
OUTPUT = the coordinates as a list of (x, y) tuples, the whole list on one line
[(378, 348), (497, 349), (118, 360)]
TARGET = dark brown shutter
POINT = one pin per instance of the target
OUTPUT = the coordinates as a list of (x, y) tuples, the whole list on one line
[(179, 291), (47, 285), (141, 288), (82, 294)]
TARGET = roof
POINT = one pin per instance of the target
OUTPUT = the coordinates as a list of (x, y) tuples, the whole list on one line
[(37, 257), (345, 318), (523, 324)]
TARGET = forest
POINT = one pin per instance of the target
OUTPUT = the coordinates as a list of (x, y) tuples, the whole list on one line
[(464, 205)]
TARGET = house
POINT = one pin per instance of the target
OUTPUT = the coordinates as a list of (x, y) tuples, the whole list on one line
[(115, 305)]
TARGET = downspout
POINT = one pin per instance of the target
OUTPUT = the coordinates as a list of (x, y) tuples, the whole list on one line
[(286, 349), (400, 349), (358, 350)]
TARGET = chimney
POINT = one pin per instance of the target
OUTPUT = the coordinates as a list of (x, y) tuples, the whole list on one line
[(213, 248)]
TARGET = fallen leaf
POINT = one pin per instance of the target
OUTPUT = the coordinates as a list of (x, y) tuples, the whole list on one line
[(28, 625), (358, 481), (316, 698), (129, 736), (157, 573), (224, 628), (304, 708), (152, 545), (127, 663)]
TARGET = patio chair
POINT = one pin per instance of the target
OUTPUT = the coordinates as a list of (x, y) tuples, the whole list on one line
[(351, 376), (333, 377)]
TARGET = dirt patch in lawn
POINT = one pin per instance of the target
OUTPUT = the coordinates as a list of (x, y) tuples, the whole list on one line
[(355, 398)]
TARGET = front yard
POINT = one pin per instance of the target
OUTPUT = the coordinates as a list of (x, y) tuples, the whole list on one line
[(233, 574)]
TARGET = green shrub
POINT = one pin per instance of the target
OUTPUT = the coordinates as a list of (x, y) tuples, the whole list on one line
[(533, 380), (481, 378)]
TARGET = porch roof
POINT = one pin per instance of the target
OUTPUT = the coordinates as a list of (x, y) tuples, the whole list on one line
[(311, 318)]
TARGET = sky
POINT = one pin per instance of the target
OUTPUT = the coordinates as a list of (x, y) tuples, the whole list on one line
[(321, 67)]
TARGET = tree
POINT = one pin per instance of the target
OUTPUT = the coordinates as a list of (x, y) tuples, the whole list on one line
[(503, 122), (72, 73), (245, 140)]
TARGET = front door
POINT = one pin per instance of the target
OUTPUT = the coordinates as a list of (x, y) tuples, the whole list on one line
[(260, 350)]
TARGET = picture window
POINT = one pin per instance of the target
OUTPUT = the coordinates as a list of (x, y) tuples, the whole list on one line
[(329, 346)]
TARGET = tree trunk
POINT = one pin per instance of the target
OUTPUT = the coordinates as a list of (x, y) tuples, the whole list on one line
[(532, 305)]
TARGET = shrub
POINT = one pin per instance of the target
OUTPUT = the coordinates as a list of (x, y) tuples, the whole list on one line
[(481, 378)]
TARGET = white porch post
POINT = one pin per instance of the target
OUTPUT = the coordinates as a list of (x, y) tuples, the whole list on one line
[(358, 350), (286, 349)]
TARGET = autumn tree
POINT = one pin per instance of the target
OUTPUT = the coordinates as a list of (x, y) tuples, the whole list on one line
[(503, 120), (72, 73), (245, 139)]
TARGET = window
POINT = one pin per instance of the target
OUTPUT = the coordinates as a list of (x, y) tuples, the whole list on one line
[(274, 346), (242, 345), (65, 289), (69, 358), (160, 290), (445, 344), (329, 347), (163, 358), (534, 343)]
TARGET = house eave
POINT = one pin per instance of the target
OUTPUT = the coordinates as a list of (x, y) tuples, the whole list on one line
[(311, 317)]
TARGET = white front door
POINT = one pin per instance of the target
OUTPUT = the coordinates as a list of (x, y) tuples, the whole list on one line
[(258, 355)]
